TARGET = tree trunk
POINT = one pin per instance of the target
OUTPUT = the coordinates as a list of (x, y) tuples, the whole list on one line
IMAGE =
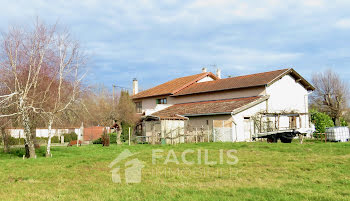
[(48, 147), (337, 121), (33, 133), (118, 137), (5, 139), (28, 136), (119, 132)]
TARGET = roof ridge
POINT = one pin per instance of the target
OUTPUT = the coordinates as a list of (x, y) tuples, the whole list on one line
[(163, 91), (250, 80), (284, 69), (194, 81)]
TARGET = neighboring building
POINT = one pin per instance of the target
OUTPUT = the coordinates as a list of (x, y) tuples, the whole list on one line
[(228, 107), (44, 132), (88, 134)]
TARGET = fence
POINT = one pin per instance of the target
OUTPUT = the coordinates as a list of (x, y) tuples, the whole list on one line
[(179, 134)]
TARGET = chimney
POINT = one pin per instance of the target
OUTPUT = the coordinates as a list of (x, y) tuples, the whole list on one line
[(135, 86), (204, 70), (218, 73)]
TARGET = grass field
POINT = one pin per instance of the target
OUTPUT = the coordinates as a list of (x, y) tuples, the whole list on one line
[(309, 171)]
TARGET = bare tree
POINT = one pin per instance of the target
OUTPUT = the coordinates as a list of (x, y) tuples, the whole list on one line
[(39, 76), (331, 94), (98, 106), (22, 56), (63, 89)]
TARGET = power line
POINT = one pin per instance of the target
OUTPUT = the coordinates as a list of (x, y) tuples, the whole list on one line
[(121, 87)]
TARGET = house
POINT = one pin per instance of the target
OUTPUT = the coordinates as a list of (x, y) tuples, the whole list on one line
[(230, 109)]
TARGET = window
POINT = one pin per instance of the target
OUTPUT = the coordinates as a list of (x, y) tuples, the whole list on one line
[(138, 107), (162, 101)]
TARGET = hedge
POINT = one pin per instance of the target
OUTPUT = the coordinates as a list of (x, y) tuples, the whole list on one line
[(321, 121)]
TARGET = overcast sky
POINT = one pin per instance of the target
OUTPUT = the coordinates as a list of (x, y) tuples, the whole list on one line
[(158, 41)]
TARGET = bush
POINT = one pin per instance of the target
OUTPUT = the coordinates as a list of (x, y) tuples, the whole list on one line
[(41, 140), (98, 141), (55, 139), (125, 132), (343, 122), (70, 137), (113, 138), (321, 121), (16, 141)]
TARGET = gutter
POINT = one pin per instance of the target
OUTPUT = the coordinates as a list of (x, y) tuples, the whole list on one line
[(206, 114), (152, 96)]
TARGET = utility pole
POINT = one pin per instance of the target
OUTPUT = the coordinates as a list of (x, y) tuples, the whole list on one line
[(129, 137)]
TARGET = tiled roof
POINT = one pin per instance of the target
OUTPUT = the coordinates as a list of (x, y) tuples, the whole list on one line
[(172, 86), (189, 85), (258, 79), (205, 107)]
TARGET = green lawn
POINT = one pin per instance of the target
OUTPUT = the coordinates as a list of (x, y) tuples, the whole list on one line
[(309, 171)]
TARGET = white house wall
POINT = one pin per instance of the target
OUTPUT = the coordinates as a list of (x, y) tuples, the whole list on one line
[(150, 106), (219, 95), (239, 135), (288, 95), (206, 79)]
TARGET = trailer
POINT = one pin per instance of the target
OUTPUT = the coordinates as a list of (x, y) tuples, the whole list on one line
[(268, 126), (286, 136)]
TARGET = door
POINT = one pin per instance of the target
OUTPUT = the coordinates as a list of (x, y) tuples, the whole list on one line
[(222, 130), (247, 129), (293, 122)]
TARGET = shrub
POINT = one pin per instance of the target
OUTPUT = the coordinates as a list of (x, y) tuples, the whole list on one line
[(70, 137), (55, 139), (98, 141), (321, 121), (16, 141), (41, 140), (343, 122), (125, 132), (113, 138)]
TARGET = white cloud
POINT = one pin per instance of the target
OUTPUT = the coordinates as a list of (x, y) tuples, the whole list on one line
[(237, 35), (343, 23), (314, 3)]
